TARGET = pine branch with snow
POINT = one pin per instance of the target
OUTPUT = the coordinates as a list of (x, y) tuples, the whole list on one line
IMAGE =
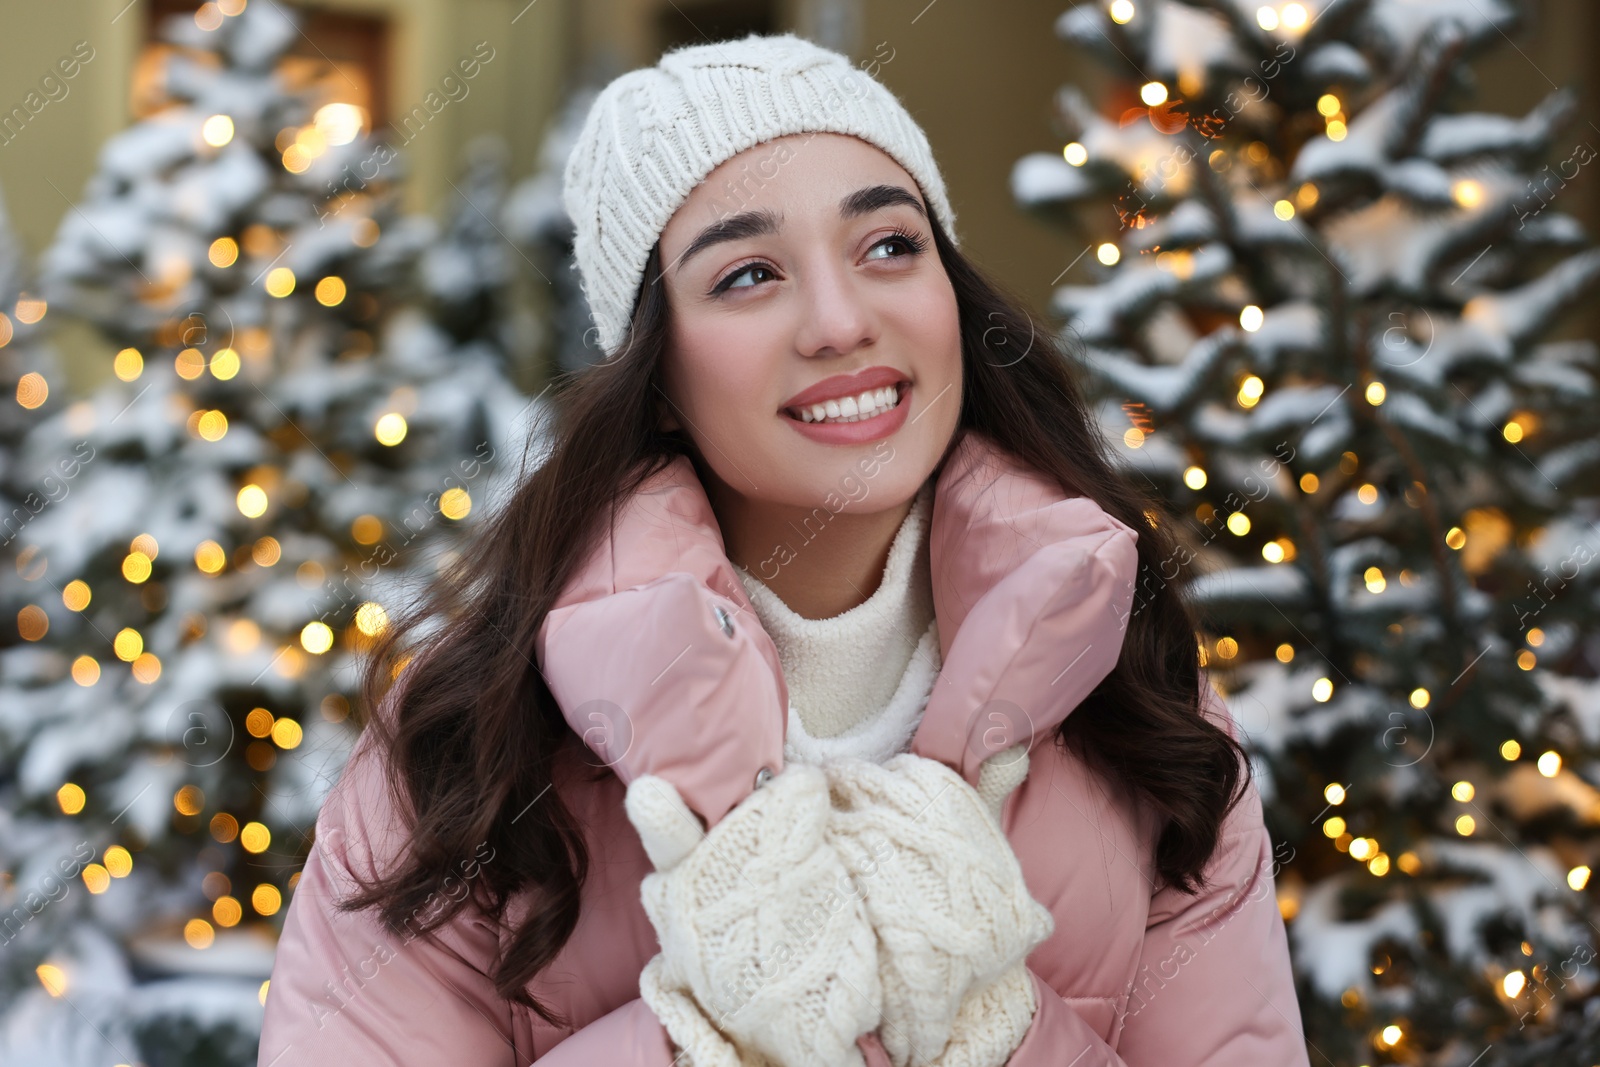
[(1320, 309), (293, 438)]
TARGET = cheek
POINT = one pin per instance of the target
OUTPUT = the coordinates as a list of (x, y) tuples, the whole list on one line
[(716, 374), (929, 323), (929, 319)]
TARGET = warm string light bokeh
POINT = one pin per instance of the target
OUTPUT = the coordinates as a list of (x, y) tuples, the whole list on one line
[(1290, 19), (1204, 149), (247, 257)]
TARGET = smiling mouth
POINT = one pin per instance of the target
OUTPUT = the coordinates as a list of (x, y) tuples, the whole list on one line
[(852, 408)]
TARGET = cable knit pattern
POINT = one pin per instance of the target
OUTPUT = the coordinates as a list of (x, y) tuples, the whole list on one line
[(757, 922), (950, 905), (991, 1023), (697, 1042), (858, 681)]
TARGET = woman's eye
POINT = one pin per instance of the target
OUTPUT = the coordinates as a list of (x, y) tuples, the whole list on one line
[(727, 283), (895, 239)]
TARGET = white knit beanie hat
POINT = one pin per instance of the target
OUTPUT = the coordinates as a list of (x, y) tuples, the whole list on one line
[(654, 133)]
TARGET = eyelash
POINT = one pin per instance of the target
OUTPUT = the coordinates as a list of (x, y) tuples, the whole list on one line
[(915, 242)]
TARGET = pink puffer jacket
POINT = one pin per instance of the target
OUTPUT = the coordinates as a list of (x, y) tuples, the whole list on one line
[(1032, 592)]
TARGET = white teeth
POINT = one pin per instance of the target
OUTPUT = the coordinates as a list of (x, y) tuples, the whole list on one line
[(852, 408)]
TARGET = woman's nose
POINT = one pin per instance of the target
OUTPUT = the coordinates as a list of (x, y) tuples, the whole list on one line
[(835, 314)]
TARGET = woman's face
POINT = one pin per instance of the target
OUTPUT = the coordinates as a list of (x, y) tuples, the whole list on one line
[(785, 270)]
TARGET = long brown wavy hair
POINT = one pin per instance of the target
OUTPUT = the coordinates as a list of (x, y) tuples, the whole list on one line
[(472, 734)]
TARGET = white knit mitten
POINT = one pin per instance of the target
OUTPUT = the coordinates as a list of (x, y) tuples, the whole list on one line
[(994, 1019), (695, 1042), (946, 896), (759, 923), (992, 1022)]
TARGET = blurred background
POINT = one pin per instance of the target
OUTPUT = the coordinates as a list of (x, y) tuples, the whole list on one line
[(283, 288), (981, 80)]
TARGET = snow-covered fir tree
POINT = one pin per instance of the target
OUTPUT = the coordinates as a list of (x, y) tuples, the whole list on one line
[(471, 278), (537, 221), (1323, 324), (293, 435), (468, 272), (31, 389), (29, 379)]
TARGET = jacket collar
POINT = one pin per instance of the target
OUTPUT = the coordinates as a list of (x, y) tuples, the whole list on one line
[(991, 514)]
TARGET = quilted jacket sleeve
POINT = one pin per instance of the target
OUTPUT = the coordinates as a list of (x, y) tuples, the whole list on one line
[(630, 1036), (656, 658), (637, 671), (654, 630), (345, 989), (1213, 987)]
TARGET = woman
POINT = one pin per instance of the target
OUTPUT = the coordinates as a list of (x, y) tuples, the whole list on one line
[(799, 708)]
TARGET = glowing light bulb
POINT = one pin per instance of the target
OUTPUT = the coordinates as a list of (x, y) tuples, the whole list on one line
[(1467, 193), (217, 130)]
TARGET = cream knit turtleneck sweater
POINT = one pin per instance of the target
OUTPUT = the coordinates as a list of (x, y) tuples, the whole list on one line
[(858, 682)]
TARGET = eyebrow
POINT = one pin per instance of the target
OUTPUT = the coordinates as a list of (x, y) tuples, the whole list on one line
[(764, 221)]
